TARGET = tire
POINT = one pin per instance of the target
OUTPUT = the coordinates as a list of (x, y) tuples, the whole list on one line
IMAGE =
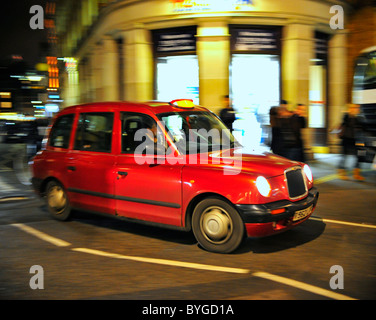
[(57, 201), (217, 226)]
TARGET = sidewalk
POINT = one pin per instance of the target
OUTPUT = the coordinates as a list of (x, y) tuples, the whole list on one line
[(326, 165), (14, 173)]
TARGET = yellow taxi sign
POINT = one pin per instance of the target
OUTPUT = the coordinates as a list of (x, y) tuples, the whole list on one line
[(183, 103)]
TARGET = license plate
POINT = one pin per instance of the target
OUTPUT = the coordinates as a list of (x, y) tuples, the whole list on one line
[(302, 213)]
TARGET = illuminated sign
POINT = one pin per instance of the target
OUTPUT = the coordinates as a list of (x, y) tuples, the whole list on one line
[(174, 40), (211, 5), (255, 39)]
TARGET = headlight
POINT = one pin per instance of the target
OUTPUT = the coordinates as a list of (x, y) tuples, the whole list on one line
[(263, 186), (308, 172)]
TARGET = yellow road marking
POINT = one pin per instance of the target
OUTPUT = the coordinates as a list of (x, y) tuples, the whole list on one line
[(302, 286), (13, 198), (335, 176), (163, 261), (326, 178), (41, 235), (364, 225)]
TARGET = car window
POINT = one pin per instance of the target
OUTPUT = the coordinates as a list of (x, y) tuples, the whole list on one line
[(137, 129), (60, 132), (94, 132)]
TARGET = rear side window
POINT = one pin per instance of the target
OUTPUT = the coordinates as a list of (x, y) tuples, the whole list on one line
[(60, 132), (94, 132)]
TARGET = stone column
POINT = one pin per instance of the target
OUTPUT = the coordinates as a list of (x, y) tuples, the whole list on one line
[(83, 80), (337, 85), (109, 70), (297, 52), (97, 72), (138, 62), (90, 89), (213, 51)]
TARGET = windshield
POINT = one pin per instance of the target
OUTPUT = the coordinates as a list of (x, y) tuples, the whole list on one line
[(197, 132)]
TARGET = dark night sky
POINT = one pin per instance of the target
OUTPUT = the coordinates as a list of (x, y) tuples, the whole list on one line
[(16, 36)]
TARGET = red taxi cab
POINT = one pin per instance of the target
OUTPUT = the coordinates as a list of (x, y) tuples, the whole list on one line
[(171, 164)]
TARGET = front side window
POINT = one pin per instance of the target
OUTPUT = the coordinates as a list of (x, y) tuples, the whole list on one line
[(94, 132), (139, 132), (60, 132)]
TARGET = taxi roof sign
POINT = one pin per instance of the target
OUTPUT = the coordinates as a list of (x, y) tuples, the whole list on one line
[(183, 103)]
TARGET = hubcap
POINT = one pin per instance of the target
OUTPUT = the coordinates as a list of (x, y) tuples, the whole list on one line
[(216, 225), (56, 199)]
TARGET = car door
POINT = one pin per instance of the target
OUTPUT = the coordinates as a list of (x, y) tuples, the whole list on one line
[(90, 164), (147, 187)]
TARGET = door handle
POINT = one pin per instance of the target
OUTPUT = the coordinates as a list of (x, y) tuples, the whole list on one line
[(71, 168), (122, 174)]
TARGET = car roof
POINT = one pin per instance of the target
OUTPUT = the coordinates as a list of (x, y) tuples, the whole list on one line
[(155, 107)]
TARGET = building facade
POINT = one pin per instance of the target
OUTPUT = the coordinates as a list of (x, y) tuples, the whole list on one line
[(257, 51)]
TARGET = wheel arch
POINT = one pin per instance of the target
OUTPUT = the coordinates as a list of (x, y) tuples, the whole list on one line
[(196, 200), (45, 182)]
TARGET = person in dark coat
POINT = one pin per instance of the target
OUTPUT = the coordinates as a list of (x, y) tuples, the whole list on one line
[(276, 137), (349, 131), (227, 114), (298, 122), (286, 131)]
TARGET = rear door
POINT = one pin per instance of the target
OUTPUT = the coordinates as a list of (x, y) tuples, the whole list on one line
[(90, 165)]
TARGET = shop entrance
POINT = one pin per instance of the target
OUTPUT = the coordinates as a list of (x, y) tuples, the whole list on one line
[(177, 78), (255, 87)]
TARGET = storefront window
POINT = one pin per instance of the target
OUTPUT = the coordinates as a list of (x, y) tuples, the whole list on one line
[(255, 80), (177, 78), (176, 64), (255, 87), (317, 115)]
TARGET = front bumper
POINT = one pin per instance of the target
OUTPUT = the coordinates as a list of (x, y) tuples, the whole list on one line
[(260, 220)]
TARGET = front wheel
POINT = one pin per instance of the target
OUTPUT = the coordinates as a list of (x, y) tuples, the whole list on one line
[(217, 226), (57, 201)]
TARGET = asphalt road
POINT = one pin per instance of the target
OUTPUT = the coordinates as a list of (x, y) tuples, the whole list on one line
[(332, 256)]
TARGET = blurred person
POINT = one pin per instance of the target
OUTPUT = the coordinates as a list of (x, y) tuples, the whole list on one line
[(289, 136), (350, 130), (299, 122), (286, 131), (276, 137), (227, 114)]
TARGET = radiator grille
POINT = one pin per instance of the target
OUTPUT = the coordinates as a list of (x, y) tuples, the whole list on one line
[(295, 183)]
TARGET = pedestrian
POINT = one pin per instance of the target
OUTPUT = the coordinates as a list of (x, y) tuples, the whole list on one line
[(276, 138), (350, 130), (227, 114), (289, 134), (286, 131), (299, 122)]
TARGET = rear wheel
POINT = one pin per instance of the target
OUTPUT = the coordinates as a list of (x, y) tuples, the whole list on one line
[(57, 201), (217, 226)]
